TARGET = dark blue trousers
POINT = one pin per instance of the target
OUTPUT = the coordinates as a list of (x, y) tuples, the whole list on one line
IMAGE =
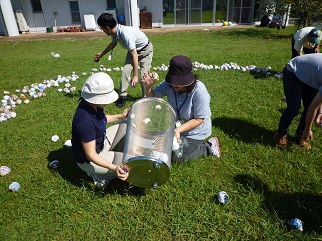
[(296, 92)]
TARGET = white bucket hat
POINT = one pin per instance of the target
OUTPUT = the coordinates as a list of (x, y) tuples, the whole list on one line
[(99, 89)]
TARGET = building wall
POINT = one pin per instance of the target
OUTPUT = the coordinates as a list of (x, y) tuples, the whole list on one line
[(95, 7), (156, 8), (39, 21), (17, 4), (2, 26)]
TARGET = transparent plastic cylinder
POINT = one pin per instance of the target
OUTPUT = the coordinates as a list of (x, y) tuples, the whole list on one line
[(148, 142)]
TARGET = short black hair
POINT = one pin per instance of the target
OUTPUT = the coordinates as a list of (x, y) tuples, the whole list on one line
[(106, 20)]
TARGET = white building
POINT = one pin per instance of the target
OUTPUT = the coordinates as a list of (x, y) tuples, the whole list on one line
[(18, 16)]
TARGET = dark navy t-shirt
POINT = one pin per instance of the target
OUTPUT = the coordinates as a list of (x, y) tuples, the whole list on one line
[(88, 125)]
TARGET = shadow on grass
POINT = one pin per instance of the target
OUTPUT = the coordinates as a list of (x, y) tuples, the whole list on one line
[(67, 167), (244, 130), (258, 32), (129, 96), (116, 186), (69, 170), (263, 75), (305, 206), (132, 98)]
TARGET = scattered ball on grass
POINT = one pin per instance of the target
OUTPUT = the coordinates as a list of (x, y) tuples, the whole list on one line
[(14, 187)]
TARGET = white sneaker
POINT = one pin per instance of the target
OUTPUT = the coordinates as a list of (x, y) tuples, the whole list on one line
[(214, 146)]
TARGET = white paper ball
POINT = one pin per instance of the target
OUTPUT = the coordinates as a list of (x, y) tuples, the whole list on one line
[(55, 138)]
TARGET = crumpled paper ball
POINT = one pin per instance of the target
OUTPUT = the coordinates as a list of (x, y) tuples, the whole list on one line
[(14, 186), (55, 138), (175, 144), (223, 197), (54, 164), (55, 55), (2, 118), (297, 224), (154, 76), (4, 170), (68, 143), (147, 120)]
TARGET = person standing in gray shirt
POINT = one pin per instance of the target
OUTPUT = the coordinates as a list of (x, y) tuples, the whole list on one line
[(302, 82), (140, 50)]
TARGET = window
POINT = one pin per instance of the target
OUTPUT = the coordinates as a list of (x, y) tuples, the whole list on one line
[(74, 9), (36, 6), (111, 4)]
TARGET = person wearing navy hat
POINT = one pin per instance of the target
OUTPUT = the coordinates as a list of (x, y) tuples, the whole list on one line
[(190, 99), (92, 143)]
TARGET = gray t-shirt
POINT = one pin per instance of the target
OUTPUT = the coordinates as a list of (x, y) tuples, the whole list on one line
[(130, 38), (308, 69), (188, 106)]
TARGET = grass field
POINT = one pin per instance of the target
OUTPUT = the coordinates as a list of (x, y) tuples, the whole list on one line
[(267, 186)]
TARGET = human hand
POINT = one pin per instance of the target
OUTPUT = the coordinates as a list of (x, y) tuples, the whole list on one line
[(318, 120), (147, 80), (134, 81), (125, 113), (121, 174), (307, 135), (177, 135)]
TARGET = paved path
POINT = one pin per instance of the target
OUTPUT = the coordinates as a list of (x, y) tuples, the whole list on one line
[(100, 34)]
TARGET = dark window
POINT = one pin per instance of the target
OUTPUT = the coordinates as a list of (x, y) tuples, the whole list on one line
[(74, 9), (36, 6), (111, 4)]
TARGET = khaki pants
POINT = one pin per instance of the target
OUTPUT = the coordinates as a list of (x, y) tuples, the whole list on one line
[(101, 175), (145, 60)]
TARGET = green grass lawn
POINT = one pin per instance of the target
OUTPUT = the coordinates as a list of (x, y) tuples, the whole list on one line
[(267, 186)]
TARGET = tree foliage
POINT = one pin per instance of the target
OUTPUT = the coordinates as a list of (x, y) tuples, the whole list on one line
[(306, 11)]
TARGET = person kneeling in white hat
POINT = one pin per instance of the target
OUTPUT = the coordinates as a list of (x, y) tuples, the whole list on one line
[(91, 141)]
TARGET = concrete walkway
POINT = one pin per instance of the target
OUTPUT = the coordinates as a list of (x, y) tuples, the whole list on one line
[(100, 34)]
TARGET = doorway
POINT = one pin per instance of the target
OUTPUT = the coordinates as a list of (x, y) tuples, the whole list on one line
[(241, 11), (182, 12)]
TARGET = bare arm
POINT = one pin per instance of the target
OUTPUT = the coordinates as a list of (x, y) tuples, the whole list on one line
[(117, 117), (317, 48), (135, 60), (189, 125), (311, 114), (92, 156), (106, 50)]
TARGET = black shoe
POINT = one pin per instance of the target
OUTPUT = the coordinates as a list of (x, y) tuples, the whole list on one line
[(121, 101)]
